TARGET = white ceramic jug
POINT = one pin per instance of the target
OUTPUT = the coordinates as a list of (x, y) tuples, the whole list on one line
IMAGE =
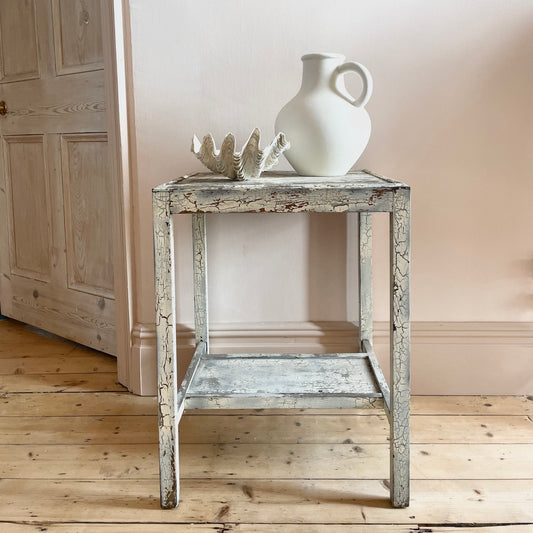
[(328, 129)]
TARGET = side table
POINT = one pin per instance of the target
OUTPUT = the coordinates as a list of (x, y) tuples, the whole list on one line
[(239, 381)]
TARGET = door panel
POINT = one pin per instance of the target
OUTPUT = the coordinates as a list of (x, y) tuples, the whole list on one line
[(18, 41), (60, 104), (55, 185), (77, 42), (30, 224), (52, 310), (88, 210)]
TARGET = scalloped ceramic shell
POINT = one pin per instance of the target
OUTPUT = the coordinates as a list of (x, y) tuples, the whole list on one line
[(243, 165)]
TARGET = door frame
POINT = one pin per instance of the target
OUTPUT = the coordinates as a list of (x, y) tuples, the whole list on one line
[(121, 136)]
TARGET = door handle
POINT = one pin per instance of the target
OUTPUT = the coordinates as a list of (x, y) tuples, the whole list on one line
[(3, 108)]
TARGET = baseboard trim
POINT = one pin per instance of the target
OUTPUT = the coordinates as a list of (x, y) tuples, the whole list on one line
[(143, 362), (464, 332), (447, 357)]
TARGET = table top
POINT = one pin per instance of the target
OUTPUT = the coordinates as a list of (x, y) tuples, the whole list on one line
[(207, 180), (279, 192)]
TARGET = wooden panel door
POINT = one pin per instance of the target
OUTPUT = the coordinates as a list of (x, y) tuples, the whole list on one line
[(56, 195)]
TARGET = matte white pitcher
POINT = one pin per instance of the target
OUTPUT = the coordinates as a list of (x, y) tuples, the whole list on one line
[(328, 129)]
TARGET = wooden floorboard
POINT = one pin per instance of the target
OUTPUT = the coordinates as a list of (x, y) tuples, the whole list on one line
[(254, 528), (82, 382), (96, 403), (275, 429), (78, 405), (78, 454), (268, 501), (73, 362), (260, 460)]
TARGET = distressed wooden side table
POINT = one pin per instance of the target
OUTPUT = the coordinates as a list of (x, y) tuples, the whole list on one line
[(238, 381)]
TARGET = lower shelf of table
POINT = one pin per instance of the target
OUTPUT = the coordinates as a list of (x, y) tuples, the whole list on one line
[(256, 381)]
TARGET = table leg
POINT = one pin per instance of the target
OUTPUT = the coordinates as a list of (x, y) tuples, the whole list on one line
[(365, 277), (400, 348), (166, 350), (199, 245)]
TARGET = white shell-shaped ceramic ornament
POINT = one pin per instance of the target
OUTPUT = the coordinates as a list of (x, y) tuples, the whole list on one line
[(243, 165)]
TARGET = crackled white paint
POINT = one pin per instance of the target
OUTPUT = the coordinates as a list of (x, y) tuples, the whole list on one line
[(283, 380), (199, 243), (275, 380), (166, 350), (280, 192), (378, 375), (194, 365), (400, 334), (365, 276)]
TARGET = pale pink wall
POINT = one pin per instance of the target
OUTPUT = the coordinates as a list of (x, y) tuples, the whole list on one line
[(452, 115)]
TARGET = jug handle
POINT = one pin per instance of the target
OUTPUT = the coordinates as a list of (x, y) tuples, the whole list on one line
[(365, 76)]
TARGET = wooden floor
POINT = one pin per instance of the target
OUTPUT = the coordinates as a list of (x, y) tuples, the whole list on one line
[(79, 454)]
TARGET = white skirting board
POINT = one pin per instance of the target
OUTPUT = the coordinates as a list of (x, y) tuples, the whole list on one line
[(446, 357)]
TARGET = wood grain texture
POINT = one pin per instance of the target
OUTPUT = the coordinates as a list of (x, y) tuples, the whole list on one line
[(87, 318), (17, 351), (89, 213), (56, 105), (72, 363), (38, 285), (77, 36), (73, 459), (472, 405), (80, 404), (260, 460), (108, 403), (361, 528), (113, 528), (228, 428), (104, 381), (267, 501), (248, 528), (19, 54), (30, 214), (14, 334)]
